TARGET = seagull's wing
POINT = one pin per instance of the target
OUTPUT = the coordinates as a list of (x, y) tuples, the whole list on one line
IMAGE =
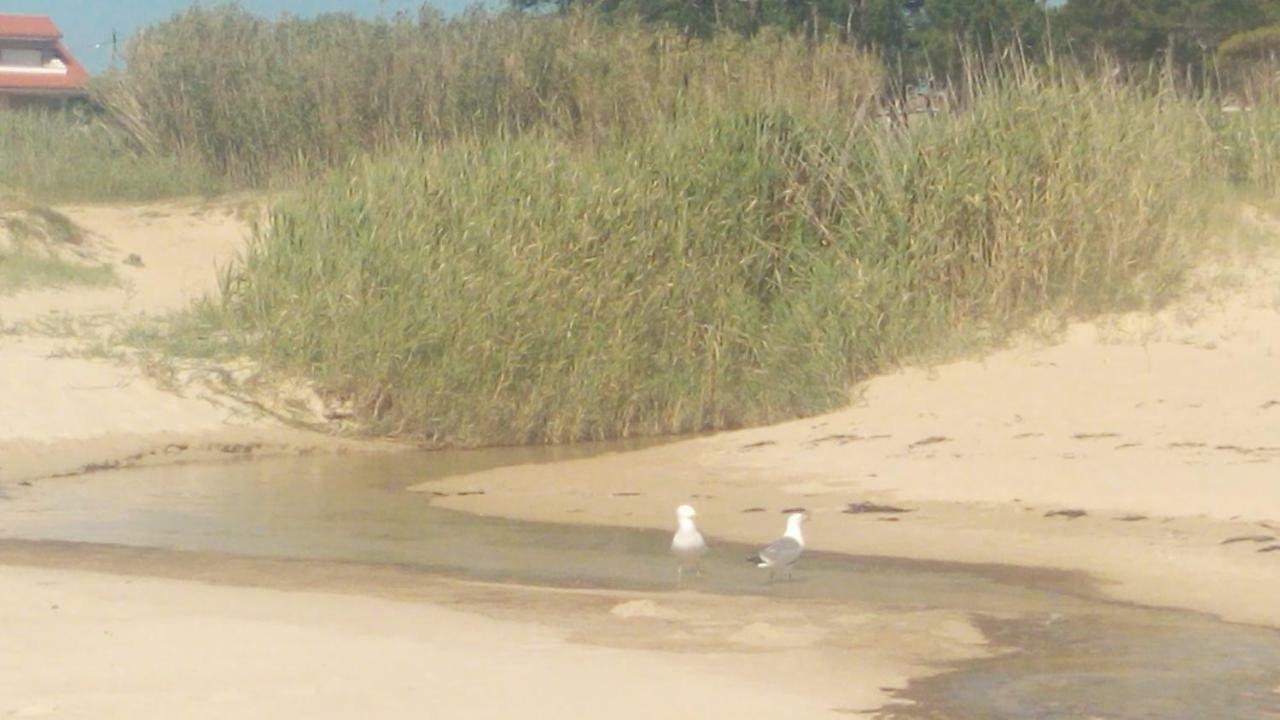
[(782, 551)]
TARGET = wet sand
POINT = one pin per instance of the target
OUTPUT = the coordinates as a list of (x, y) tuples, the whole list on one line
[(134, 632), (87, 645)]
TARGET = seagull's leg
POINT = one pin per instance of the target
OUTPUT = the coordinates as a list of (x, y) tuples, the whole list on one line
[(679, 573)]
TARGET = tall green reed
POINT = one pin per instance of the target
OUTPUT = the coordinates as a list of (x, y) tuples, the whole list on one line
[(61, 157), (257, 99), (727, 266)]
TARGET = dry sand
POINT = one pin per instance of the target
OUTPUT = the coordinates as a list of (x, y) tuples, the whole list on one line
[(68, 405), (1161, 432)]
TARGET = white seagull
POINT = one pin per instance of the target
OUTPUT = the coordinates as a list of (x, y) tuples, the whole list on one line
[(687, 544), (783, 552)]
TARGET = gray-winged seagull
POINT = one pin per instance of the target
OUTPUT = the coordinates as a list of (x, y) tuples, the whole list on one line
[(783, 552)]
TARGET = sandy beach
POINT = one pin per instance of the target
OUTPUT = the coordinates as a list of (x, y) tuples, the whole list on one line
[(88, 645), (1140, 449)]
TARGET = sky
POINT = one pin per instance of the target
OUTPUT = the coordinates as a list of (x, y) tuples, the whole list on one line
[(87, 24)]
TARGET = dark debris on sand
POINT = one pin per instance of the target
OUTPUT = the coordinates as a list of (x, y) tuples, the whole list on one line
[(870, 508), (1248, 538)]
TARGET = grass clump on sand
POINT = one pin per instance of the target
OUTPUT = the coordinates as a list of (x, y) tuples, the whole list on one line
[(724, 268), (36, 245), (1251, 142), (26, 271), (62, 157)]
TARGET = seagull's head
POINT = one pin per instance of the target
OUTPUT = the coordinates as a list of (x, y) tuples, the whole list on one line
[(795, 519), (686, 512)]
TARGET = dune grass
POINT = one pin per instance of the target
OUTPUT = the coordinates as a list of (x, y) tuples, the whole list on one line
[(726, 268), (260, 99), (32, 238), (27, 271), (218, 98), (65, 157), (516, 229), (1250, 140)]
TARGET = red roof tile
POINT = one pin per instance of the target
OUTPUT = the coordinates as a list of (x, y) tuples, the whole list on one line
[(39, 27), (28, 26)]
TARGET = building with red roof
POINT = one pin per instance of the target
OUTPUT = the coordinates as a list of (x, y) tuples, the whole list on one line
[(34, 64)]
